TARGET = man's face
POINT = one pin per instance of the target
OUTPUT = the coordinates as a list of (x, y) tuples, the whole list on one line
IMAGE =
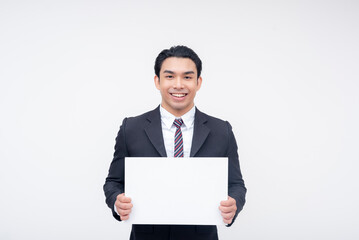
[(178, 84)]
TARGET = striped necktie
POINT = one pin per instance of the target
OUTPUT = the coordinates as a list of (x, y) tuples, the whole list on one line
[(178, 152)]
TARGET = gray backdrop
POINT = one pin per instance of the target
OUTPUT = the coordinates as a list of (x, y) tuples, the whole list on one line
[(283, 73)]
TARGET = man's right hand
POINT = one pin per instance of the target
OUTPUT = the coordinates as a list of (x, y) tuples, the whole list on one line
[(123, 206)]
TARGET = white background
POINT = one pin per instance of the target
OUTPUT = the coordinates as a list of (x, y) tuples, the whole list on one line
[(284, 73)]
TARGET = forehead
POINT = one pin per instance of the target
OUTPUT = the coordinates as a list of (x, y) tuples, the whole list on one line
[(178, 65)]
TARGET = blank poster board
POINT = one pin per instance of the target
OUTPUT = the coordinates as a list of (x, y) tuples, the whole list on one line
[(176, 190)]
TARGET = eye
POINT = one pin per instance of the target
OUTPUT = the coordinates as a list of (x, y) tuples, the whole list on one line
[(187, 77), (169, 76)]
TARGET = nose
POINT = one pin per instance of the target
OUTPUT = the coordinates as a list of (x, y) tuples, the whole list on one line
[(178, 83)]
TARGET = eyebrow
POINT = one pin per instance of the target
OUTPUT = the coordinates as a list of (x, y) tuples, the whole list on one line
[(171, 72)]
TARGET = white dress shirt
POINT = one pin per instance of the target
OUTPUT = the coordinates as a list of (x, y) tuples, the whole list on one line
[(169, 130)]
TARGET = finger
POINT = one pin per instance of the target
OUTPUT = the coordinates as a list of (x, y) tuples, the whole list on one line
[(123, 212), (226, 203), (227, 209), (119, 196), (227, 221), (123, 198), (227, 216), (232, 206), (229, 202), (125, 217), (118, 202), (124, 206)]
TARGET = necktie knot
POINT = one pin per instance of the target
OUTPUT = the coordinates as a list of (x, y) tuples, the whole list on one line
[(178, 122)]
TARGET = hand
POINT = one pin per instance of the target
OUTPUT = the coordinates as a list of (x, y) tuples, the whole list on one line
[(228, 209), (123, 206)]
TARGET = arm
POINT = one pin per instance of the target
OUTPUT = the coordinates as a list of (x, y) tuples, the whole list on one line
[(236, 187), (114, 184)]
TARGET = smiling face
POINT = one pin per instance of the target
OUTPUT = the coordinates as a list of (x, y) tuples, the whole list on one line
[(178, 85)]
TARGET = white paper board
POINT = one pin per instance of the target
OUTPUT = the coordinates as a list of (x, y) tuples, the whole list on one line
[(176, 190)]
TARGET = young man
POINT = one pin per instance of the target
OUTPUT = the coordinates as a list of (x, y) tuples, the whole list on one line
[(176, 128)]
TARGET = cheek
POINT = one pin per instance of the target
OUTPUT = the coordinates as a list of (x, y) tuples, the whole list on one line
[(164, 92)]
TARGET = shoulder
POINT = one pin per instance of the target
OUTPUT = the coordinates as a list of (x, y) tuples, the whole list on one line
[(144, 116), (142, 119), (211, 120)]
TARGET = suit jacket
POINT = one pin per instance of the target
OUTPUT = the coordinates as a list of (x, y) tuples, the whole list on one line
[(141, 136)]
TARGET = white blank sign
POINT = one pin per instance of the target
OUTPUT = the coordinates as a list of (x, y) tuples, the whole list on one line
[(176, 190)]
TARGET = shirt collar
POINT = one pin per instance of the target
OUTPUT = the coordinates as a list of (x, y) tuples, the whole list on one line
[(168, 118)]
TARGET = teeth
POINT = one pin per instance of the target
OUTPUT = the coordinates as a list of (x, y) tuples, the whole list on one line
[(178, 94)]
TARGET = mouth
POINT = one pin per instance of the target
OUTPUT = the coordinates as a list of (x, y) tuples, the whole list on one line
[(178, 95)]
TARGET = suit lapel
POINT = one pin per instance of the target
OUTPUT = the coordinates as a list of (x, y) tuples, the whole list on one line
[(200, 132), (154, 131)]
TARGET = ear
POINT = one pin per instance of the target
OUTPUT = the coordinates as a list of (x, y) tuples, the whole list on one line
[(157, 82), (199, 83)]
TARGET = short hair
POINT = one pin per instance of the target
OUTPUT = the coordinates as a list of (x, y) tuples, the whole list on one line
[(179, 52)]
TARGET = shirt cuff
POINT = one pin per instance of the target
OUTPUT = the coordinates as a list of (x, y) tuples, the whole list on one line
[(115, 209)]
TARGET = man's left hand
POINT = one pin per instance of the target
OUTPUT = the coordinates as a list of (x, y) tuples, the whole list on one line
[(228, 209)]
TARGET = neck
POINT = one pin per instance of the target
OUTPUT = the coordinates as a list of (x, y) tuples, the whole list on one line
[(179, 112)]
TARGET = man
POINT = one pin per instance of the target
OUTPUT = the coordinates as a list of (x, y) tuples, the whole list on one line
[(175, 129)]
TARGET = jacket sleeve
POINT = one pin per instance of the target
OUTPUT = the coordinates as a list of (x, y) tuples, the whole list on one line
[(114, 184), (236, 187)]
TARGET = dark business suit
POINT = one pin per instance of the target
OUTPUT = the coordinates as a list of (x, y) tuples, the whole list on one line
[(141, 136)]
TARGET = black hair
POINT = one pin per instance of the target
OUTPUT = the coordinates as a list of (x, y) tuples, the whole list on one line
[(179, 52)]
